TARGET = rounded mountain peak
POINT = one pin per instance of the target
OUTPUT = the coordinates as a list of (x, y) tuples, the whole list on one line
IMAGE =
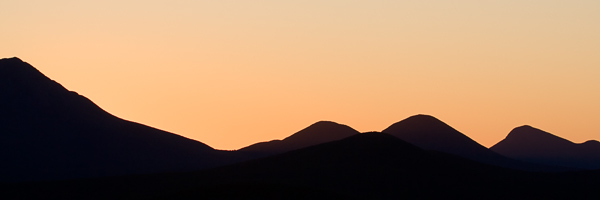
[(527, 139), (527, 133), (422, 117), (317, 133), (320, 132), (526, 128), (323, 130), (595, 142), (425, 124), (325, 123)]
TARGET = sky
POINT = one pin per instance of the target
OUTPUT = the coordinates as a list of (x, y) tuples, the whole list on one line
[(233, 73)]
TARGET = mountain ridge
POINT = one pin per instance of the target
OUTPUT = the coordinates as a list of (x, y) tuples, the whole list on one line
[(48, 132)]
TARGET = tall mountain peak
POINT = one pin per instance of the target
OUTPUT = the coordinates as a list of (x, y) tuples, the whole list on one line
[(50, 133), (16, 68), (21, 80)]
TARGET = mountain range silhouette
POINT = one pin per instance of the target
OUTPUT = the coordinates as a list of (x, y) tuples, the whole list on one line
[(57, 144)]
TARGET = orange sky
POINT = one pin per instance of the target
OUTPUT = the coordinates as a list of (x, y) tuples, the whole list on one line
[(232, 73)]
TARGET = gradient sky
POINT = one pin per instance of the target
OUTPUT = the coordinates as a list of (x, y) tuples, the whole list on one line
[(232, 73)]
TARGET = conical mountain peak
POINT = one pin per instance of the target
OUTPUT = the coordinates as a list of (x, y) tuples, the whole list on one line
[(430, 133), (427, 132)]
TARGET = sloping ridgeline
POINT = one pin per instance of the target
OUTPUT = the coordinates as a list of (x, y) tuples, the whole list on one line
[(50, 133)]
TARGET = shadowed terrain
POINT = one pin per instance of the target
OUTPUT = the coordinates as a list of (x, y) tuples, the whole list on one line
[(364, 166), (534, 145)]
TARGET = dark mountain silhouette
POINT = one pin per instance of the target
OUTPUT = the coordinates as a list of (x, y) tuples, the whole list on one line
[(56, 144), (363, 166), (534, 145), (317, 133), (430, 133), (49, 133)]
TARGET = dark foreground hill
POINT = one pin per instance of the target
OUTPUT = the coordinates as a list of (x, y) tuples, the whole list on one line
[(317, 133), (364, 166), (430, 133), (50, 133), (534, 145)]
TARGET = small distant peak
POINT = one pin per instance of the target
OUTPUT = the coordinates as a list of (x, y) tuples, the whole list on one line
[(419, 120), (591, 142), (328, 126), (323, 129), (529, 133), (325, 122), (526, 129), (422, 116)]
